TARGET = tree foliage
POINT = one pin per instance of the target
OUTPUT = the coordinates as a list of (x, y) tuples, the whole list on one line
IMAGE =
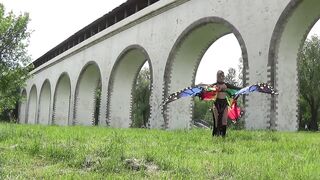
[(202, 111), (309, 78), (231, 77), (141, 94), (13, 57)]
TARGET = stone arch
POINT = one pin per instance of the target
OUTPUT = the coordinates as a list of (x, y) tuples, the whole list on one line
[(23, 107), (86, 91), (32, 106), (288, 38), (184, 60), (122, 80), (61, 104), (44, 103)]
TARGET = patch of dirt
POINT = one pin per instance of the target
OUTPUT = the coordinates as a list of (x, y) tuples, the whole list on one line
[(91, 162), (137, 165)]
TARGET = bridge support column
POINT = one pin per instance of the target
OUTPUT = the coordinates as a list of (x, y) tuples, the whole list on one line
[(156, 119), (103, 102)]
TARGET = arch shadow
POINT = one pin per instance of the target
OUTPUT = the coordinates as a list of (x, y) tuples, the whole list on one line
[(86, 94), (61, 103), (32, 106), (44, 103)]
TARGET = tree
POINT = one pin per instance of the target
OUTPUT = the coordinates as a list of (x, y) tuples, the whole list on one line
[(141, 94), (201, 110), (304, 114), (13, 58), (309, 78), (231, 77), (97, 103)]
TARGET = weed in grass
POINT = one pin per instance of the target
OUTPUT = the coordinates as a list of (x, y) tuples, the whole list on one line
[(5, 133), (59, 152), (1, 166), (35, 147), (108, 157)]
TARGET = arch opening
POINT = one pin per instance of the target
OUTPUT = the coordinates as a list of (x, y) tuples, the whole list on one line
[(121, 85), (87, 98), (32, 106), (224, 54), (141, 98), (61, 104), (97, 104), (44, 103), (288, 39), (183, 63)]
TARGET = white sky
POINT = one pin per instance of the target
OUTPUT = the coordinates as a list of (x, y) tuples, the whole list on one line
[(53, 21)]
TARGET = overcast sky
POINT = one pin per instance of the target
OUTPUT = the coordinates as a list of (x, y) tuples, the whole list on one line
[(53, 21)]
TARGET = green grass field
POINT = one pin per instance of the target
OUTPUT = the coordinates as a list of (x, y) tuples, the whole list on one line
[(41, 152)]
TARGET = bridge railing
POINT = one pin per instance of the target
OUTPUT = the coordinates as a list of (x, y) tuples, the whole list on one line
[(126, 9)]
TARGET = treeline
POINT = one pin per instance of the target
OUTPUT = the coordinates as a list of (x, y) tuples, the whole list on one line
[(14, 59)]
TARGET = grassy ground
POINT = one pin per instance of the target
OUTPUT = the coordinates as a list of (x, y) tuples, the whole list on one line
[(103, 153)]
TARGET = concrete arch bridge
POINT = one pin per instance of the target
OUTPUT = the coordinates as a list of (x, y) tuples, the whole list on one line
[(172, 35)]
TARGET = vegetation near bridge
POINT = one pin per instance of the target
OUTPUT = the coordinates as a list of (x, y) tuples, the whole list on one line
[(95, 152)]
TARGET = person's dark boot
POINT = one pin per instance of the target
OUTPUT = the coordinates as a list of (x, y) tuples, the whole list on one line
[(214, 131), (223, 131)]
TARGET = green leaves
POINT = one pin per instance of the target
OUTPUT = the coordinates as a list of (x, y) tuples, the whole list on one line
[(309, 78), (141, 94), (231, 76), (13, 57)]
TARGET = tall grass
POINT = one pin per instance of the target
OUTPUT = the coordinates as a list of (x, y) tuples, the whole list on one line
[(95, 152)]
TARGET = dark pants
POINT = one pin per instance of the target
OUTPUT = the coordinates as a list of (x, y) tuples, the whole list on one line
[(218, 128)]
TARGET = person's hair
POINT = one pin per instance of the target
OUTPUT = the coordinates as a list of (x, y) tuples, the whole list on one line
[(219, 72)]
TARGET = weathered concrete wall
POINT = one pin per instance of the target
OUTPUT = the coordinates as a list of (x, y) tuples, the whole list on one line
[(62, 98), (173, 36), (32, 106)]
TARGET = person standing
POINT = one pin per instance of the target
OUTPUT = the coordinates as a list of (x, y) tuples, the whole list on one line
[(220, 105)]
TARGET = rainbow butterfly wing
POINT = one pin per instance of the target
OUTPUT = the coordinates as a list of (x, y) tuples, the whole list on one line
[(187, 92)]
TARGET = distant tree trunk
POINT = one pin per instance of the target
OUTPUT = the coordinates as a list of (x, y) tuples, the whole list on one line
[(301, 125), (313, 126), (145, 118)]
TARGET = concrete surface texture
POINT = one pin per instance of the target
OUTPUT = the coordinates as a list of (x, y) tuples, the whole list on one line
[(173, 35)]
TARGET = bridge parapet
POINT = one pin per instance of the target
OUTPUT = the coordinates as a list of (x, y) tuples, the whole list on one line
[(116, 15)]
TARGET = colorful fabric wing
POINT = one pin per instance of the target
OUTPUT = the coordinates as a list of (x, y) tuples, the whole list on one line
[(187, 92), (209, 93), (231, 92), (205, 92), (261, 87), (234, 112)]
